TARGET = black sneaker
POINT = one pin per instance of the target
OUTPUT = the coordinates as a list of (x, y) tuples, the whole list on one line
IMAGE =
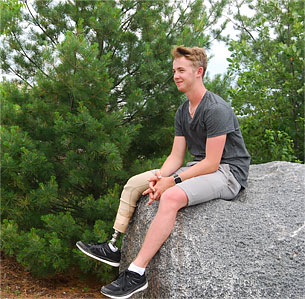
[(127, 284), (101, 252)]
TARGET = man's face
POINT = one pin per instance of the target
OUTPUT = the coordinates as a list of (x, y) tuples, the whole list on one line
[(184, 74)]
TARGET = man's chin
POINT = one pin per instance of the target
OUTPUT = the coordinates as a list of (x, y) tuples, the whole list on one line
[(180, 88)]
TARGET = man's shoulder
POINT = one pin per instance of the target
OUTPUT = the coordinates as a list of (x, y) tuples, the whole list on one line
[(214, 99), (216, 108), (183, 106)]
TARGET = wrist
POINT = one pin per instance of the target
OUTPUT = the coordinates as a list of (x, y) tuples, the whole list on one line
[(158, 174)]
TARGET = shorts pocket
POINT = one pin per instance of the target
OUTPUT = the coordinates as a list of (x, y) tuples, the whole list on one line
[(232, 186)]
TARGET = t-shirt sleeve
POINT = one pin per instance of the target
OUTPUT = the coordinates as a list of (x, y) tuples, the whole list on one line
[(219, 120), (178, 123)]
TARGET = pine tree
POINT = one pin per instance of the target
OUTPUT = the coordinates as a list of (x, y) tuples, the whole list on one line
[(268, 60), (92, 104)]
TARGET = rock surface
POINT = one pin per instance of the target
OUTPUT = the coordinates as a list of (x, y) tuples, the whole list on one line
[(251, 247)]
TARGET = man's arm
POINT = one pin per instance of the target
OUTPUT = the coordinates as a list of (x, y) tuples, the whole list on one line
[(171, 164), (176, 157), (214, 150)]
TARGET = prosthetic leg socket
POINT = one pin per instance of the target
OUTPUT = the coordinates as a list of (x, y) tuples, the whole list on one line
[(129, 197)]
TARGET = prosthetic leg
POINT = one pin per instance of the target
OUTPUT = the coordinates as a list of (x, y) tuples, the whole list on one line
[(129, 197)]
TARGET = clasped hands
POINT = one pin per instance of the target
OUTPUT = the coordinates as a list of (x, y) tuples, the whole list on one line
[(157, 185)]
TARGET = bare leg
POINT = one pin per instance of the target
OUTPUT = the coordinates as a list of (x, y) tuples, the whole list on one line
[(172, 200)]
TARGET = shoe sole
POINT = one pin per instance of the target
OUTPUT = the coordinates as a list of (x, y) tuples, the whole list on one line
[(129, 295), (113, 264)]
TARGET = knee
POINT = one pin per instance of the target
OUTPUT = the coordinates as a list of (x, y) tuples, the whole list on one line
[(173, 199), (134, 188), (132, 182)]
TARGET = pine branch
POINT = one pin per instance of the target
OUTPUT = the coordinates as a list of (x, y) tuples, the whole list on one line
[(25, 54), (37, 23), (18, 75)]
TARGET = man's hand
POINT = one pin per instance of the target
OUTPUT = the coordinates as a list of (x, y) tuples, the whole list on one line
[(157, 186), (162, 185), (152, 182)]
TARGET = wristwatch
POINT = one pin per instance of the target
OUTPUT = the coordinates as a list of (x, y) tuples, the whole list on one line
[(177, 179)]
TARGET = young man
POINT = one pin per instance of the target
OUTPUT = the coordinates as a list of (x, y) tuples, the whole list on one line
[(208, 127)]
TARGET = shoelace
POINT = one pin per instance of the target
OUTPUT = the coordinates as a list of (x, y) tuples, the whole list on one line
[(123, 279)]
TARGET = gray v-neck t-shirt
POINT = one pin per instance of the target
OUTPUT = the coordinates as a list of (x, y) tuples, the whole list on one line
[(214, 117)]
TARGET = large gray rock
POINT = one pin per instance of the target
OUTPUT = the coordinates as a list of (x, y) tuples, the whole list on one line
[(252, 247)]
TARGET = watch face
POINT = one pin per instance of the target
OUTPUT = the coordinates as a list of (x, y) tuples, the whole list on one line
[(177, 179)]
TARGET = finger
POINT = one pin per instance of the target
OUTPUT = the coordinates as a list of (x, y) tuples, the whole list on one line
[(153, 178), (156, 195), (151, 195), (147, 191), (150, 201), (151, 186), (158, 174)]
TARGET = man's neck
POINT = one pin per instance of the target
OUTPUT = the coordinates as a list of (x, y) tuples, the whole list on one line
[(195, 96)]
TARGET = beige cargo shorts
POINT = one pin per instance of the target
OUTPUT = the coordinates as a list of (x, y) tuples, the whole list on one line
[(220, 184)]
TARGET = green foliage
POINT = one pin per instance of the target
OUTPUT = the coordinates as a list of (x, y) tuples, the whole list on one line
[(273, 146), (10, 13), (220, 85), (268, 60), (279, 145), (92, 105)]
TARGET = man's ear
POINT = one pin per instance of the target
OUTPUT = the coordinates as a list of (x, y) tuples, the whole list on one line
[(200, 71)]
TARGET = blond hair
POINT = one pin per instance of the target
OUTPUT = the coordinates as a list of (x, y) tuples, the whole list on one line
[(196, 55)]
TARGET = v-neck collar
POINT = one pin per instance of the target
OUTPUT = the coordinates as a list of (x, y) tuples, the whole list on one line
[(195, 113)]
